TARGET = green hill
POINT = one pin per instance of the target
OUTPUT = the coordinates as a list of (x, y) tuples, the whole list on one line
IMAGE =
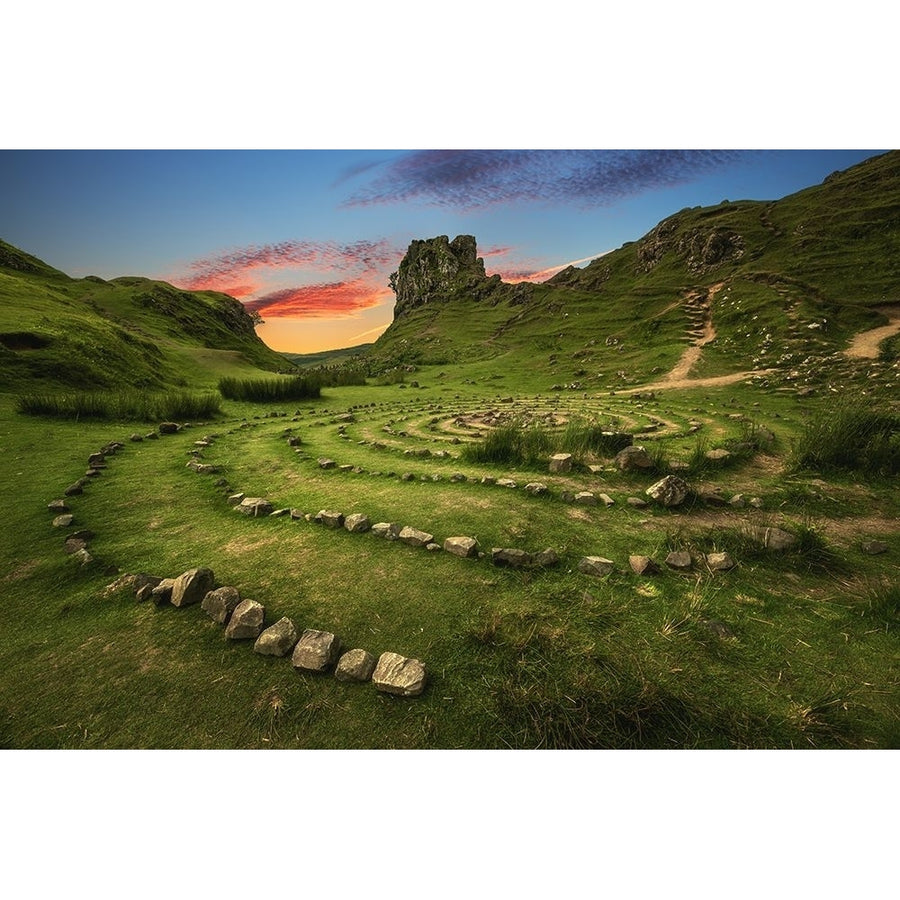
[(799, 276), (127, 332)]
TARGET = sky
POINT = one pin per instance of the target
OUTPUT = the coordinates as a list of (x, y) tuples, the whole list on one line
[(308, 238)]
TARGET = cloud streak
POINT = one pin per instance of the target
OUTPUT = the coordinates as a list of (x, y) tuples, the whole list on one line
[(470, 180), (332, 300)]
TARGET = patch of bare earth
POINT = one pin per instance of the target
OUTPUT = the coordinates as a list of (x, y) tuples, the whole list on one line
[(865, 345), (21, 571), (241, 545)]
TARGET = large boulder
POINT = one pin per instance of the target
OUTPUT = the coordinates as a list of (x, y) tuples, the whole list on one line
[(221, 603), (633, 459), (396, 674), (669, 491), (414, 537), (561, 462), (278, 639), (316, 651), (355, 665), (246, 621), (192, 586), (461, 546)]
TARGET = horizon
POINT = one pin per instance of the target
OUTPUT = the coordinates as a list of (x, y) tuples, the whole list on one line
[(309, 238)]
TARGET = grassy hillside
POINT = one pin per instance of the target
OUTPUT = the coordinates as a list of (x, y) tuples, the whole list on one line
[(127, 332), (799, 275)]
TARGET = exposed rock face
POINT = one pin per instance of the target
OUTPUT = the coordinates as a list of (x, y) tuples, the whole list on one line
[(316, 650), (701, 249), (438, 269), (396, 674), (192, 586), (355, 665), (278, 639)]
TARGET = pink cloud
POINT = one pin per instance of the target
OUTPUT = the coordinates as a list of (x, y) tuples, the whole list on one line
[(339, 299)]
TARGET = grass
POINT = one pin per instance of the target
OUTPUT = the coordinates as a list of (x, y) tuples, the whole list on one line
[(121, 406), (851, 436), (271, 390)]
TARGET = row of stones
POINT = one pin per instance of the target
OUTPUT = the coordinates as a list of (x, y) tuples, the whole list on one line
[(310, 650)]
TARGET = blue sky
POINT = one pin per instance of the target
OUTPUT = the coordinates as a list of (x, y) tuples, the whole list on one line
[(309, 237)]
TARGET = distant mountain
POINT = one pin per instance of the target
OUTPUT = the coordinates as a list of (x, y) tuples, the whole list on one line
[(328, 357), (89, 333), (798, 277)]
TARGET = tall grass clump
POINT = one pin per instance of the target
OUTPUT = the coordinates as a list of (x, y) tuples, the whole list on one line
[(530, 445), (271, 390), (122, 406), (847, 435)]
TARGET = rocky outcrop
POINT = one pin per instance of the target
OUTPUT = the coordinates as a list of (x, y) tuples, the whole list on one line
[(701, 249), (439, 269)]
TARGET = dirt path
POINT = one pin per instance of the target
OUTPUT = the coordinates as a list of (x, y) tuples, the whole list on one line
[(865, 344), (692, 353)]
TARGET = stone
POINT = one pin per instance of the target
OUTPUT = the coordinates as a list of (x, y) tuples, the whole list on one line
[(82, 534), (606, 500), (220, 603), (163, 591), (396, 674), (545, 558), (295, 514), (561, 462), (357, 523), (329, 518), (719, 629), (57, 506), (206, 469), (505, 482), (737, 501), (278, 639), (717, 455), (597, 566), (73, 545), (137, 438), (873, 547), (279, 513), (73, 490), (679, 559), (192, 586), (235, 499), (719, 562), (255, 506), (246, 621), (414, 537), (83, 556), (325, 463), (585, 498), (407, 476), (488, 479), (465, 547), (775, 539), (95, 460), (669, 491), (168, 428), (458, 478), (316, 651), (636, 502), (634, 458), (536, 488), (510, 558), (63, 521), (712, 495), (433, 547), (388, 530), (355, 665), (642, 565)]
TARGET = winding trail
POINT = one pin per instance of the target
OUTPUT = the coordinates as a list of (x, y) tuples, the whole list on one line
[(692, 354), (865, 344)]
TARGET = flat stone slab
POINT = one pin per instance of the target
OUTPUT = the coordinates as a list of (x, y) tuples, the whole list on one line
[(396, 674), (278, 639), (255, 506), (246, 621), (561, 462), (355, 665), (465, 547), (325, 463), (510, 558), (585, 498), (598, 566), (316, 651), (414, 537), (192, 586), (220, 603)]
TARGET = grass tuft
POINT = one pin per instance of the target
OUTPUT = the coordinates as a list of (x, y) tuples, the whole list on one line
[(271, 390), (123, 406)]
